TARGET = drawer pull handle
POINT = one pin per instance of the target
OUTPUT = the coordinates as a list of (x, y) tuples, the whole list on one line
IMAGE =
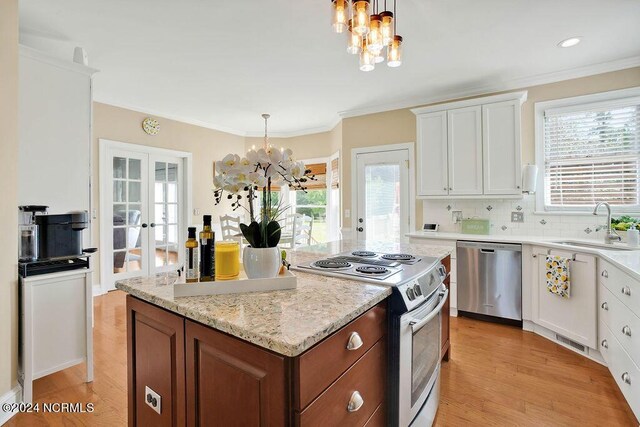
[(604, 344), (604, 274), (605, 306), (626, 330), (355, 342), (626, 291), (355, 402), (626, 378)]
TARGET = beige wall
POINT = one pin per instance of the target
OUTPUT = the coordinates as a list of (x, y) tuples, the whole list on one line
[(304, 147), (206, 145), (9, 205), (400, 125)]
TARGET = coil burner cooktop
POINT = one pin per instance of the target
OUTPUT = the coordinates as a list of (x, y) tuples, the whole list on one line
[(369, 266)]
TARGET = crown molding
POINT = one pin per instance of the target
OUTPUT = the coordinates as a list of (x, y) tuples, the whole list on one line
[(38, 55), (302, 132), (511, 84)]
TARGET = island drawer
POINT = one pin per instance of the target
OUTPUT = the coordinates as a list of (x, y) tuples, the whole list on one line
[(366, 378), (319, 367)]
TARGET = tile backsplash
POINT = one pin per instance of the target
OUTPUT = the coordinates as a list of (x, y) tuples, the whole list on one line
[(499, 213)]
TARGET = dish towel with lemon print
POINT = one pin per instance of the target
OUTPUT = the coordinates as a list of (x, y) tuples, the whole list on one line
[(558, 277)]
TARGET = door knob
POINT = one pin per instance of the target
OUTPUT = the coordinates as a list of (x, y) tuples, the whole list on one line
[(144, 225), (360, 229), (605, 306), (626, 330), (360, 220), (153, 224), (625, 377), (626, 291), (604, 344)]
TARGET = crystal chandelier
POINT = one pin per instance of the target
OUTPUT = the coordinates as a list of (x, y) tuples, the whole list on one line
[(369, 32)]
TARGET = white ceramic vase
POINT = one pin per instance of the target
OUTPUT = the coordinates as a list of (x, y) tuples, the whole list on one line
[(261, 263)]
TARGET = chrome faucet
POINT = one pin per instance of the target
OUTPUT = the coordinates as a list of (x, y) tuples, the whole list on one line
[(611, 235)]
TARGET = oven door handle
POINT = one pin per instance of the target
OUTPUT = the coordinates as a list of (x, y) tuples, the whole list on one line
[(416, 324)]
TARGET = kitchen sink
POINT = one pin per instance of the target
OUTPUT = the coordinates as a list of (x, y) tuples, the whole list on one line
[(612, 247)]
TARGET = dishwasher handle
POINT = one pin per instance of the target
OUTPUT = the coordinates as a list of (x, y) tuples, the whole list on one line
[(488, 251), (489, 247)]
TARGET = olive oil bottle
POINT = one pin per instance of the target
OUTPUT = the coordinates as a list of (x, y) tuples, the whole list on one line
[(207, 251), (192, 258)]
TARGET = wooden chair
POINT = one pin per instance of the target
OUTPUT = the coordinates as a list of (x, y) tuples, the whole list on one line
[(296, 231), (230, 226)]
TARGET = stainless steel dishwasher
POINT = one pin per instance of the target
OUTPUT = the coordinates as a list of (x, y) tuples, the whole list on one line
[(490, 279)]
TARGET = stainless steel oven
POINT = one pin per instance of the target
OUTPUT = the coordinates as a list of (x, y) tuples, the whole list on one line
[(419, 357)]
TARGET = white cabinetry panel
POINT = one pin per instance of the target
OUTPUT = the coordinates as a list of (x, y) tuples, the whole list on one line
[(502, 161), (464, 131), (575, 317), (432, 154)]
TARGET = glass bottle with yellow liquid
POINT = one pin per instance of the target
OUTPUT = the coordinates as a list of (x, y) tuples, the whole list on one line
[(227, 260)]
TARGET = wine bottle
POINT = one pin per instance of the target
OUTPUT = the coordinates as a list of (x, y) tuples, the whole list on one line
[(207, 251), (192, 258)]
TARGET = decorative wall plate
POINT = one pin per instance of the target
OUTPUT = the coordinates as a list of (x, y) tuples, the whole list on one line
[(151, 126)]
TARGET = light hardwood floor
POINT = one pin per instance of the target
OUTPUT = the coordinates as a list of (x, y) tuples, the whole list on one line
[(496, 376)]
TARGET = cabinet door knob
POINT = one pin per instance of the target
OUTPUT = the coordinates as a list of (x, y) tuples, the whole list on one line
[(445, 188), (360, 229), (144, 225), (605, 306), (517, 186), (626, 378), (450, 188), (626, 291), (604, 344), (355, 402), (604, 273), (355, 341), (626, 330)]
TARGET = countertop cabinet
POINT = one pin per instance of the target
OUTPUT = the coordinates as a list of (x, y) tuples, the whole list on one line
[(470, 149), (574, 318), (232, 383), (464, 134), (206, 377), (502, 160)]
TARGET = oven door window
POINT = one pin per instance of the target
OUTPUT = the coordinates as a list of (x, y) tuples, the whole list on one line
[(425, 357)]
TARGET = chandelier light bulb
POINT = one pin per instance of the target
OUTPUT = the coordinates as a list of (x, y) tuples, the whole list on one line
[(339, 15), (374, 37), (386, 27), (361, 17), (367, 58), (354, 42), (394, 52)]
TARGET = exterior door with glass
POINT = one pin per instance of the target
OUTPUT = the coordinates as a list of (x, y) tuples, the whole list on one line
[(382, 188), (143, 197)]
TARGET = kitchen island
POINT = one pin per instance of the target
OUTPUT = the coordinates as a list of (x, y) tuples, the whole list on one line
[(272, 358)]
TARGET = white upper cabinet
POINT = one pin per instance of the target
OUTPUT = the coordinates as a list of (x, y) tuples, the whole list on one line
[(432, 154), (502, 162), (471, 148), (464, 134)]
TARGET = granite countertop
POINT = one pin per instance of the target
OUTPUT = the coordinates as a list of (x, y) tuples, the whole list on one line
[(286, 322), (627, 260)]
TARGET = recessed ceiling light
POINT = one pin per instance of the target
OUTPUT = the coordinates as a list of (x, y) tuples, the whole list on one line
[(569, 42)]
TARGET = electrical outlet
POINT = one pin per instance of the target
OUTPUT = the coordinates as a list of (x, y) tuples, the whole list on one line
[(196, 212), (517, 216), (152, 399), (456, 216), (347, 213)]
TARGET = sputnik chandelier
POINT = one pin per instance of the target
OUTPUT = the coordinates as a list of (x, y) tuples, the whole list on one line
[(369, 31)]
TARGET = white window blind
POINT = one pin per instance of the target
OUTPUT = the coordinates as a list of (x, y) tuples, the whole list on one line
[(591, 155)]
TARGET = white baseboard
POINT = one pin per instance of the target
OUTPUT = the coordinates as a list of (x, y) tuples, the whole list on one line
[(97, 290), (12, 396), (453, 312)]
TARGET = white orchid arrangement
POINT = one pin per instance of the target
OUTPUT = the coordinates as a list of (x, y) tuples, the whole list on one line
[(259, 170)]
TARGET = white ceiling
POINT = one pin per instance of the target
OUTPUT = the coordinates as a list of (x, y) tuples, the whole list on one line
[(223, 63)]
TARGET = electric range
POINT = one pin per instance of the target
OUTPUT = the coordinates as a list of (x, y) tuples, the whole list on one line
[(414, 324)]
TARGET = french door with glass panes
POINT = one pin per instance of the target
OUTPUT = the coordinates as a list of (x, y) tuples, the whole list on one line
[(145, 198)]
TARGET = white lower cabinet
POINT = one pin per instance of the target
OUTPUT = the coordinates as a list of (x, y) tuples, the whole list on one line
[(575, 317), (618, 306), (624, 371)]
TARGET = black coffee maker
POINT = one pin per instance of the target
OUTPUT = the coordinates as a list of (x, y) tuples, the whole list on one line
[(60, 235)]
